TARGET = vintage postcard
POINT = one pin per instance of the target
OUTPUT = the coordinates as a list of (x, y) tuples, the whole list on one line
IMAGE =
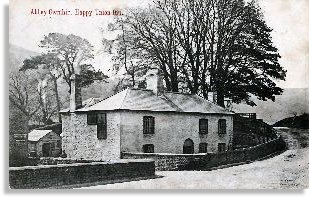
[(158, 94)]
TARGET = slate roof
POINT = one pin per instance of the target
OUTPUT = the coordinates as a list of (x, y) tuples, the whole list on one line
[(86, 103), (36, 135), (146, 100)]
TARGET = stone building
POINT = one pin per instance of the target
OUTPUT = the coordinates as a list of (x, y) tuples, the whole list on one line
[(44, 143), (143, 120)]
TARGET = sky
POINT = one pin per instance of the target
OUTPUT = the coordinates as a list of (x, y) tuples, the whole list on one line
[(288, 18)]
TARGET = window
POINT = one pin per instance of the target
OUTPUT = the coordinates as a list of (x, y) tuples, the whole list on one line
[(98, 119), (203, 148), (222, 126), (148, 148), (203, 126), (221, 147), (101, 131), (148, 124), (92, 118), (101, 126)]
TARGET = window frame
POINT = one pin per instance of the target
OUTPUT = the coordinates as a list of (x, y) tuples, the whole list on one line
[(200, 148), (101, 131), (100, 120), (92, 120), (201, 122), (221, 129), (146, 148), (220, 146), (148, 125), (102, 126)]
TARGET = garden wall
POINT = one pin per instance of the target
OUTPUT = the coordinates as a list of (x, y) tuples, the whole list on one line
[(168, 162), (48, 176)]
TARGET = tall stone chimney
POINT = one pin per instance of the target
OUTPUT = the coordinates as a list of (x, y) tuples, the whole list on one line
[(76, 93), (154, 81), (212, 96)]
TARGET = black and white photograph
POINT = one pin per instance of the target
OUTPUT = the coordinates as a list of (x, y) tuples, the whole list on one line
[(158, 94)]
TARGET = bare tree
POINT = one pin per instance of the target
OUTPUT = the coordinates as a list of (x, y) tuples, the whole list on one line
[(23, 95)]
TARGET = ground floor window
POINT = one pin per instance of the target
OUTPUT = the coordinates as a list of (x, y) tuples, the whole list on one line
[(148, 148), (203, 148), (221, 147)]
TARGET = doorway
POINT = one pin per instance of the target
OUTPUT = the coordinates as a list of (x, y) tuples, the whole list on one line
[(188, 146), (46, 149)]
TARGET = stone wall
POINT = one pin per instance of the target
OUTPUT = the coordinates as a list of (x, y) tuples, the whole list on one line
[(49, 176), (171, 130), (79, 140), (170, 162), (250, 131)]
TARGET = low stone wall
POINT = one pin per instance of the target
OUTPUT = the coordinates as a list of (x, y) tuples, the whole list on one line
[(57, 160), (48, 176), (171, 162)]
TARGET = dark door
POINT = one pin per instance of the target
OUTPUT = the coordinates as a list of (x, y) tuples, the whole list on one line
[(46, 149), (188, 147)]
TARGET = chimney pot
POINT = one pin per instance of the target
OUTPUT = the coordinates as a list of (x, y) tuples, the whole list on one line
[(154, 81), (212, 96)]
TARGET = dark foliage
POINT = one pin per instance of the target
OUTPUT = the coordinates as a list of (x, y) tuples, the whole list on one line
[(204, 45)]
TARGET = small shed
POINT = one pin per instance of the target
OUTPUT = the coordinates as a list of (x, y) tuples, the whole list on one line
[(44, 143)]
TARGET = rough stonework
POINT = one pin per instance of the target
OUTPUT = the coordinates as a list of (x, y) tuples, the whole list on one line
[(80, 140), (125, 134)]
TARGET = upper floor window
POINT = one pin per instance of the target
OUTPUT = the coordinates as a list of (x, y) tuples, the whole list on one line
[(98, 119), (101, 126), (222, 126), (148, 148), (203, 126), (148, 125), (92, 118)]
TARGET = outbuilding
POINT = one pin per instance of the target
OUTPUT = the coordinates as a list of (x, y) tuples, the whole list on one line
[(44, 143)]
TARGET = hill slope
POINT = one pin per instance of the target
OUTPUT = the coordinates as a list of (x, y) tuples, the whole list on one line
[(292, 101), (18, 55), (300, 122)]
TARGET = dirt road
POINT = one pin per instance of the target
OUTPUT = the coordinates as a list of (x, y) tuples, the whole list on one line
[(289, 170)]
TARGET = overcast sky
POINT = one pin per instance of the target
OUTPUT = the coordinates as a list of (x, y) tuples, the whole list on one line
[(288, 18)]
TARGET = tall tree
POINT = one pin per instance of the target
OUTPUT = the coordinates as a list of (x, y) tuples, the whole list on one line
[(209, 45), (65, 54), (74, 54), (49, 71), (132, 62)]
